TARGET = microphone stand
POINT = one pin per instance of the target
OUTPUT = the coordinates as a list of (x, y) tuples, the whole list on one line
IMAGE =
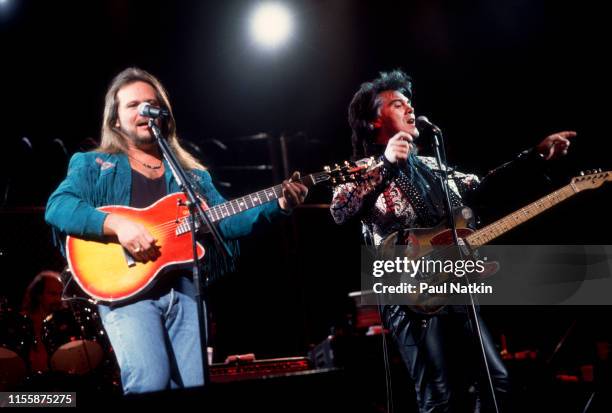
[(195, 208), (440, 152)]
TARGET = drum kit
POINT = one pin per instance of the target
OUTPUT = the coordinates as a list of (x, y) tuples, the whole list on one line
[(75, 342)]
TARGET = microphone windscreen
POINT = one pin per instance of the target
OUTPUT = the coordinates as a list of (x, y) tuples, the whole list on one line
[(422, 122), (143, 109)]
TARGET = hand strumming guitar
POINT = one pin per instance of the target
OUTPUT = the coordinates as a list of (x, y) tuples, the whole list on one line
[(134, 237)]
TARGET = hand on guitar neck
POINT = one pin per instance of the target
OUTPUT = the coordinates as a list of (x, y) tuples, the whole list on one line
[(133, 236), (294, 192)]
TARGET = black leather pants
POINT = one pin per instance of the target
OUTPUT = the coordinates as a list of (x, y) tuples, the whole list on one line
[(443, 360)]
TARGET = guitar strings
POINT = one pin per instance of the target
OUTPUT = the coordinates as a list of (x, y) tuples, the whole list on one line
[(218, 210), (170, 226)]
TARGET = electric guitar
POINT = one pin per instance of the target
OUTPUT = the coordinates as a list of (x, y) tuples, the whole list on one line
[(107, 272), (420, 242)]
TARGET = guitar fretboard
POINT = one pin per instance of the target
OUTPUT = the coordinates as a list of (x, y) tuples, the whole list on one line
[(238, 205), (494, 230), (235, 206)]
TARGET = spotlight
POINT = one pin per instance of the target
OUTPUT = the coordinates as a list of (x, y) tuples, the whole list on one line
[(271, 25)]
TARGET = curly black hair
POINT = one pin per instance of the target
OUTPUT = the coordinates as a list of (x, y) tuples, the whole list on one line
[(365, 105)]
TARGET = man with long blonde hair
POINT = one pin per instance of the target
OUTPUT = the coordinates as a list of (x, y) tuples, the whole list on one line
[(155, 337)]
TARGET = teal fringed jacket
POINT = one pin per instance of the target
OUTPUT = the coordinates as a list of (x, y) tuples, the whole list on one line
[(98, 179)]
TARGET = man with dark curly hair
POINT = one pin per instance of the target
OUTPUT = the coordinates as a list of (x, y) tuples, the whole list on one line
[(405, 193)]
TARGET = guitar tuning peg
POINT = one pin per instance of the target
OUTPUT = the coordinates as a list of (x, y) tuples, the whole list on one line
[(336, 166), (327, 169), (581, 173), (347, 164)]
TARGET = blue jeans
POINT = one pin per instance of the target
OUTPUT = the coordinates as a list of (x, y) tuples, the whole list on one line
[(156, 340)]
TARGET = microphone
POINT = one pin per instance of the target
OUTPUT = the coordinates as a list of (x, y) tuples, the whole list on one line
[(423, 123), (150, 111)]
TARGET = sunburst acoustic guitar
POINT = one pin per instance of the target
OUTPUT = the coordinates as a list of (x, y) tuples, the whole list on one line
[(107, 272)]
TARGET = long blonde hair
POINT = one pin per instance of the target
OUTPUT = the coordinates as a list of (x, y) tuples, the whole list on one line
[(114, 142)]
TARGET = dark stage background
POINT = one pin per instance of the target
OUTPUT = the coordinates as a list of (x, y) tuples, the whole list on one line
[(496, 76)]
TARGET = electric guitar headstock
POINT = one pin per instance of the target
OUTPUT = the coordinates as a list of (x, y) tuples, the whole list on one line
[(590, 180), (349, 171)]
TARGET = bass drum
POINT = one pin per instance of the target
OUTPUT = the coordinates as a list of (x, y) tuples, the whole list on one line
[(16, 339), (75, 339)]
